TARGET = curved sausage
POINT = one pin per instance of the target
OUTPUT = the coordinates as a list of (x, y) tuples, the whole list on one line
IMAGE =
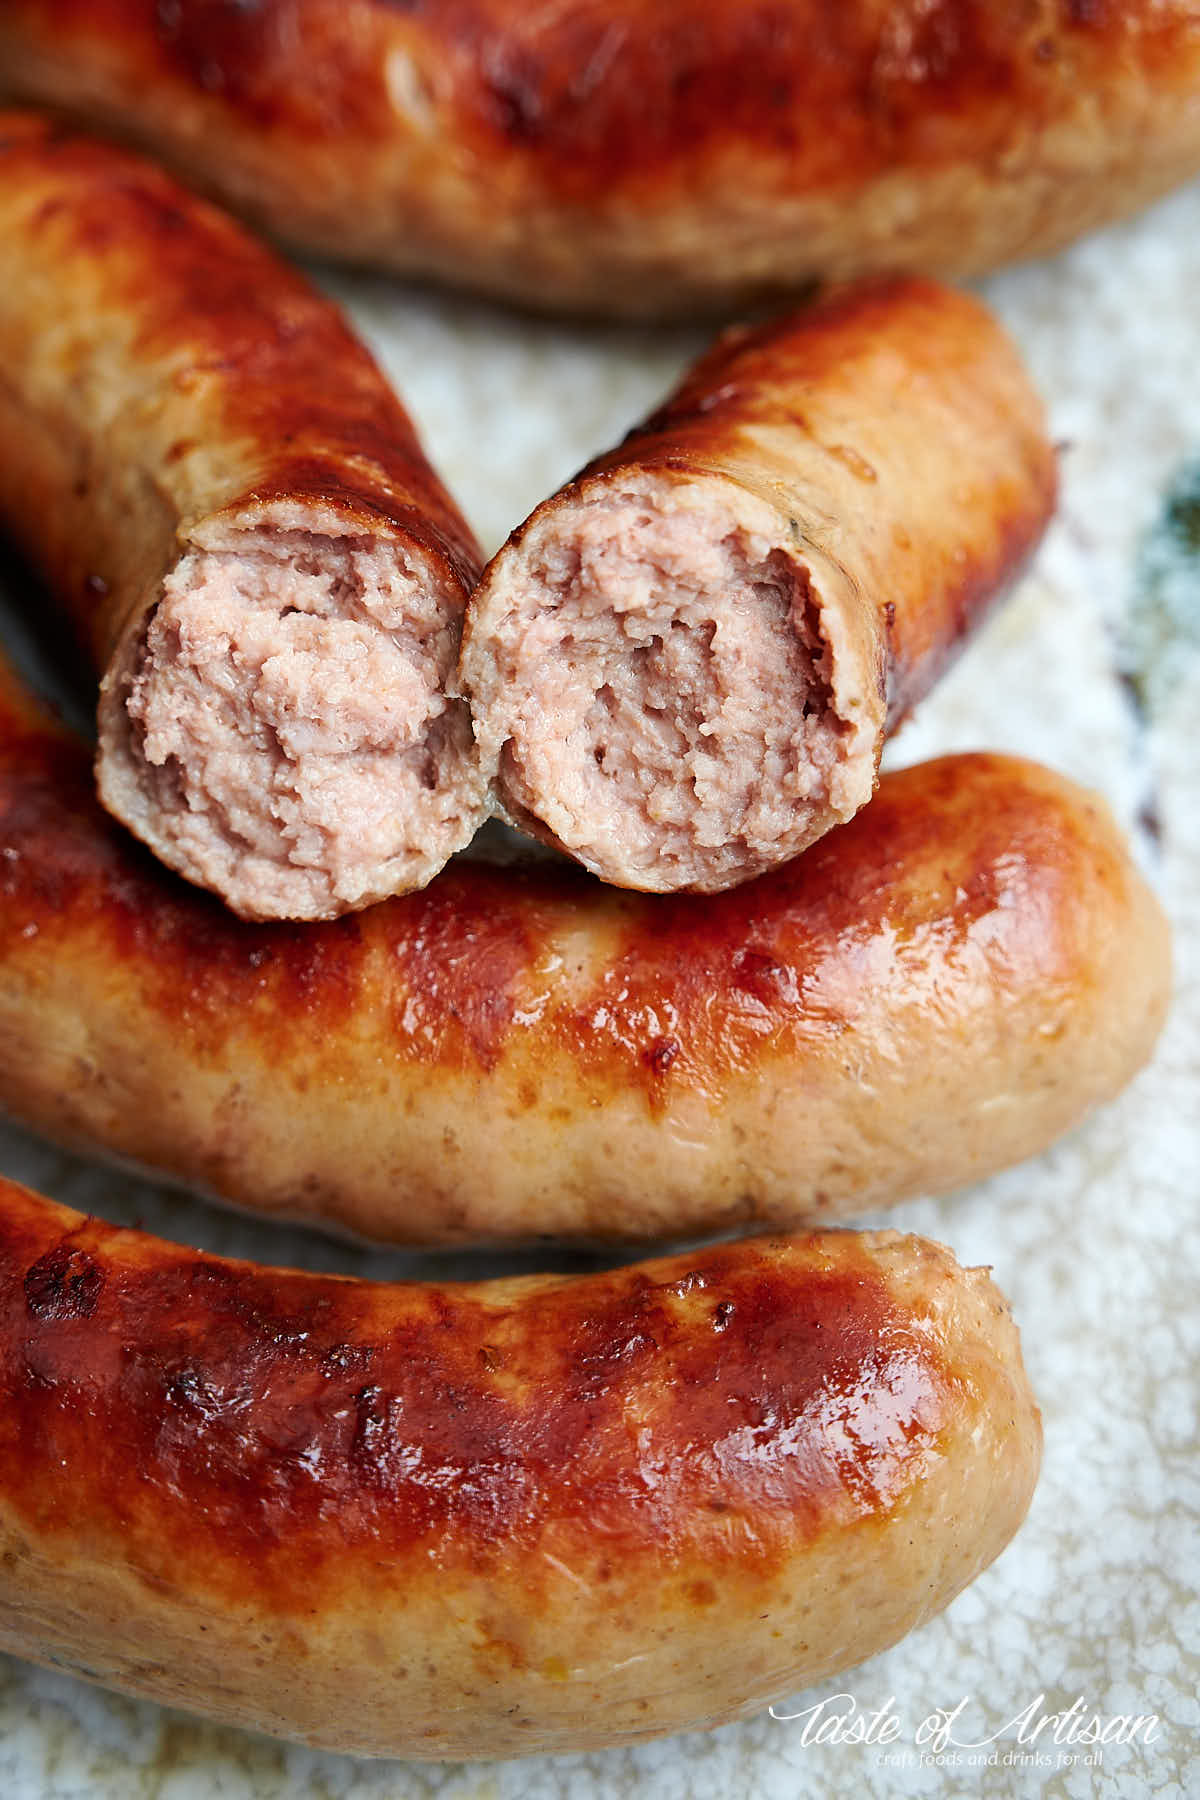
[(933, 991), (474, 1521), (682, 666), (216, 479), (615, 157)]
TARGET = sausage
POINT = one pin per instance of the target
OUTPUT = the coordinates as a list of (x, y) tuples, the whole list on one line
[(613, 157), (935, 990), (215, 477), (682, 666), (543, 1513)]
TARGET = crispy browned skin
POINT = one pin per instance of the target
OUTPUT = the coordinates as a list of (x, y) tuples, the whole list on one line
[(166, 383), (885, 451), (935, 990), (622, 157), (474, 1521)]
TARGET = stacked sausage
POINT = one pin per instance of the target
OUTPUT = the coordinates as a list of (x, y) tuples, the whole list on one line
[(680, 670), (296, 1484)]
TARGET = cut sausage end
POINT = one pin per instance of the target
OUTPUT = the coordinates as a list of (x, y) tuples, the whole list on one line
[(279, 731), (660, 690)]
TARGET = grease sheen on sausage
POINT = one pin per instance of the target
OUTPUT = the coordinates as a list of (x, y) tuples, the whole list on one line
[(682, 666), (219, 483), (472, 1521), (933, 991), (624, 157)]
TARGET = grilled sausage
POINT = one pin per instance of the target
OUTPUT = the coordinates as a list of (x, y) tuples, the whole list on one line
[(616, 157), (683, 664), (218, 481), (462, 1521), (933, 991)]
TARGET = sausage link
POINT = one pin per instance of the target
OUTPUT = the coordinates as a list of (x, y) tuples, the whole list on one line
[(617, 157), (473, 1521), (935, 990), (682, 666), (216, 478)]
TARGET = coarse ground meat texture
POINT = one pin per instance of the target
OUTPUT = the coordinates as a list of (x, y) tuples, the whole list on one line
[(657, 684), (288, 720)]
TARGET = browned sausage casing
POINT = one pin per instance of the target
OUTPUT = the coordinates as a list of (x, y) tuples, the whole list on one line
[(625, 157), (682, 666), (473, 1521), (933, 991), (216, 478)]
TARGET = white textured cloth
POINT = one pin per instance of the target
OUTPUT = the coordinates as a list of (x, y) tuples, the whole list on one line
[(1096, 1243)]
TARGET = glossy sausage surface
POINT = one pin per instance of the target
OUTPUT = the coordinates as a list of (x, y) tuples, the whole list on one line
[(171, 391), (479, 1520), (617, 156), (935, 990)]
